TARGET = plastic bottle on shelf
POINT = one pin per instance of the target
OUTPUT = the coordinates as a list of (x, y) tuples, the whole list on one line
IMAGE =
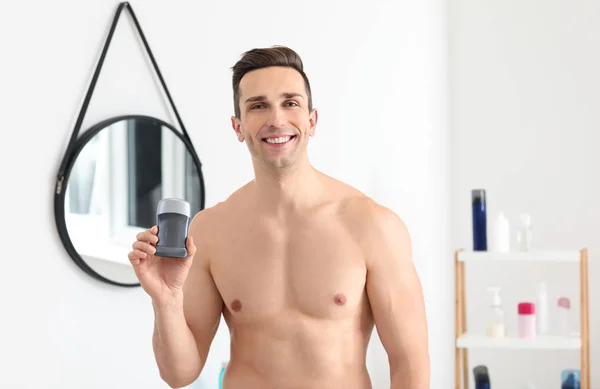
[(564, 311), (501, 234), (479, 215), (524, 234), (496, 327), (570, 379), (541, 307), (481, 377), (527, 327)]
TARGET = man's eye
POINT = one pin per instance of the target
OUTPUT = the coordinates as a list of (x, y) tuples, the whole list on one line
[(256, 106), (293, 103)]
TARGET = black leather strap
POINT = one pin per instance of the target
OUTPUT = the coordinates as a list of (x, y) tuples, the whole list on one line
[(88, 96)]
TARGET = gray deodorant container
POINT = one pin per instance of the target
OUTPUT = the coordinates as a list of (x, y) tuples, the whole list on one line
[(173, 216)]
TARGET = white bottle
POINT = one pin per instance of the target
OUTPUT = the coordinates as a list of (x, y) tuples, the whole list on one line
[(496, 327), (524, 235), (563, 319), (501, 234), (541, 310)]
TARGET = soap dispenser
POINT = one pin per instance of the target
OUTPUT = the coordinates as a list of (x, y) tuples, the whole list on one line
[(496, 327)]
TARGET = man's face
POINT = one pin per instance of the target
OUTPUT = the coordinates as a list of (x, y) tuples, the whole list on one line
[(274, 118)]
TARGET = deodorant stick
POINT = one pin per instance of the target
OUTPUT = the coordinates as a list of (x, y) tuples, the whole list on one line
[(173, 217)]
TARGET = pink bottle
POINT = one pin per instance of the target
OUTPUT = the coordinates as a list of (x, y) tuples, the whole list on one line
[(564, 308), (527, 326)]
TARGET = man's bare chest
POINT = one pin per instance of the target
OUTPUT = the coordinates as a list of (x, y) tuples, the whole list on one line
[(318, 272)]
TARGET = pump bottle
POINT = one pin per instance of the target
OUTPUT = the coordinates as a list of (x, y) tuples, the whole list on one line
[(496, 326)]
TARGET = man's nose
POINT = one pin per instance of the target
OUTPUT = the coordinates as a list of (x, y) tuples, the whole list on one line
[(276, 118)]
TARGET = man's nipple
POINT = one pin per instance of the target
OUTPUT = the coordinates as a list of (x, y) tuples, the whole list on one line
[(339, 299), (236, 305)]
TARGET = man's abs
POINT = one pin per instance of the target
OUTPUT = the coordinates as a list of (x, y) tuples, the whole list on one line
[(299, 352), (243, 377)]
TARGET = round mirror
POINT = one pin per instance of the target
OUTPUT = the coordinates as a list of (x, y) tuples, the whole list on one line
[(117, 173)]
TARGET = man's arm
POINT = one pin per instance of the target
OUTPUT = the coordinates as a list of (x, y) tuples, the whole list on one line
[(396, 298), (185, 327)]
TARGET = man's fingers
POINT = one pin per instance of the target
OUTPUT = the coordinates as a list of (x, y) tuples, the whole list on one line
[(136, 256), (146, 236), (143, 247), (139, 254)]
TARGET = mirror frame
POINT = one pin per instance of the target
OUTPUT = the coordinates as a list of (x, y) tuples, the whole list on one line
[(70, 158)]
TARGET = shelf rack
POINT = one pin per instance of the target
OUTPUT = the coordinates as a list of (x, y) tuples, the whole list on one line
[(466, 340)]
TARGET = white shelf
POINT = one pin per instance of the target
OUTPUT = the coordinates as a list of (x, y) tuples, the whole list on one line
[(534, 255), (544, 342)]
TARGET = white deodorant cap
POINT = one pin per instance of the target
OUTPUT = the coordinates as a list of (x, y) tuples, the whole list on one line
[(173, 205)]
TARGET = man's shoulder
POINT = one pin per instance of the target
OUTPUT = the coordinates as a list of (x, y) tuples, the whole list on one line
[(211, 218), (206, 216), (369, 221), (216, 213), (375, 228), (366, 211), (353, 205)]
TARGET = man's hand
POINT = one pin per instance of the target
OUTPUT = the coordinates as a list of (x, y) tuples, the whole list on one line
[(162, 278)]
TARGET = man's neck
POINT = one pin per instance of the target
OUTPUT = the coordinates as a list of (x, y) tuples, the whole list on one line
[(292, 188)]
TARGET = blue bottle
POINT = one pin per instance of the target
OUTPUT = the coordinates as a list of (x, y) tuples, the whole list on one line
[(570, 379), (221, 374), (482, 377), (479, 212)]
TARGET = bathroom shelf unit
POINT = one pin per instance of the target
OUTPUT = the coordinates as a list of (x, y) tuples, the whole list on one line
[(529, 256), (465, 340)]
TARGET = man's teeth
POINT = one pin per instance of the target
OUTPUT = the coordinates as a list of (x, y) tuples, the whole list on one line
[(281, 139)]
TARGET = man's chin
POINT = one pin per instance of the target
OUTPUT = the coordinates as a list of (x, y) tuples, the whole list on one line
[(281, 163)]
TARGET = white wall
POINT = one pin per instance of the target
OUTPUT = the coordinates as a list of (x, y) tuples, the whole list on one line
[(378, 79), (524, 116)]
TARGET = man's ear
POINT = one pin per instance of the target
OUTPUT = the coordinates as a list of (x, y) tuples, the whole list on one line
[(314, 118), (237, 127)]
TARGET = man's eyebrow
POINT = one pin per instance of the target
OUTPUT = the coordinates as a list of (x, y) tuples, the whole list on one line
[(285, 95), (289, 95), (255, 98)]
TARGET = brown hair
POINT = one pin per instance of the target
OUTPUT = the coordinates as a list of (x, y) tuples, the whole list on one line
[(264, 57)]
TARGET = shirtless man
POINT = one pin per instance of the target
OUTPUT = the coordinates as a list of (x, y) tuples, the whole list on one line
[(300, 265)]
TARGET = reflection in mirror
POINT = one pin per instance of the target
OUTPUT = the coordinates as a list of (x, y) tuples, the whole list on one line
[(115, 185)]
